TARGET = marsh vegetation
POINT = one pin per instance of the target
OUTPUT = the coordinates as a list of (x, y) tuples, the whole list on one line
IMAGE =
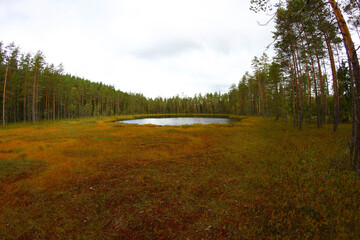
[(97, 179)]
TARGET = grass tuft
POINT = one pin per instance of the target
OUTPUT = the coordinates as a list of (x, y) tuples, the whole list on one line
[(15, 169)]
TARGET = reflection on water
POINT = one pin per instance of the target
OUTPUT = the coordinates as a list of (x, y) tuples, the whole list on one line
[(178, 121)]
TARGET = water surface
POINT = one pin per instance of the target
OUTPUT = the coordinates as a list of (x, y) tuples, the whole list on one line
[(177, 121)]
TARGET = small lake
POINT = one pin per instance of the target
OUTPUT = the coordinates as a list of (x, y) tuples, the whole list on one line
[(177, 121)]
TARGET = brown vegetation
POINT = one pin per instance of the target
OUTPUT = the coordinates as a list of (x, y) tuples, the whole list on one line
[(96, 179)]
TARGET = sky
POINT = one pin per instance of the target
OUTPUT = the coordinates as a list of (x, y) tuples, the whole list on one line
[(159, 48)]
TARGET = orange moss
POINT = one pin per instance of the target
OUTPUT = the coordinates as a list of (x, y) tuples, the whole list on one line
[(252, 179)]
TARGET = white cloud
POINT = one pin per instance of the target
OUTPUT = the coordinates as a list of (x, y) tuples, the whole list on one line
[(157, 47)]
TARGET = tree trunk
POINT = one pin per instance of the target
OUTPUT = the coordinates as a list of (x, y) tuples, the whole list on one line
[(276, 101), (293, 97), (308, 79), (54, 104), (316, 93), (299, 73), (335, 83), (296, 88), (4, 96), (34, 98), (25, 96), (58, 95), (353, 108), (46, 113), (322, 98), (37, 116), (260, 94), (308, 87), (356, 73)]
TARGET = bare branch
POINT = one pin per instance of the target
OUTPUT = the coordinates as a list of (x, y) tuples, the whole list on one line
[(268, 46), (264, 24)]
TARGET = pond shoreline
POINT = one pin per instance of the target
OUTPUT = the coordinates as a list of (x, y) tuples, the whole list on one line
[(181, 115), (179, 119)]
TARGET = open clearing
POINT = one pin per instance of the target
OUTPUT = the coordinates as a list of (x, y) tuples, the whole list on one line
[(96, 179)]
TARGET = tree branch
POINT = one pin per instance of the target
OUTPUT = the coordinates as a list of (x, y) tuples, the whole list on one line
[(264, 24)]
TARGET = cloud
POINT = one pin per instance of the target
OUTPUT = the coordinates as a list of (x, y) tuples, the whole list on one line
[(170, 48), (158, 47)]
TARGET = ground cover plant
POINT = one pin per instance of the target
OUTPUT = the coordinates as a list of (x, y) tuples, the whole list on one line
[(97, 179)]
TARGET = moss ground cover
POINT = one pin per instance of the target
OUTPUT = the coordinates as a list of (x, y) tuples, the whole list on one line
[(96, 179)]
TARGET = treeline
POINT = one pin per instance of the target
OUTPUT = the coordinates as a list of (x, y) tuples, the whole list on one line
[(34, 90)]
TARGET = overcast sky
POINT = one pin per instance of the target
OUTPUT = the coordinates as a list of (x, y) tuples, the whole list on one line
[(154, 47)]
